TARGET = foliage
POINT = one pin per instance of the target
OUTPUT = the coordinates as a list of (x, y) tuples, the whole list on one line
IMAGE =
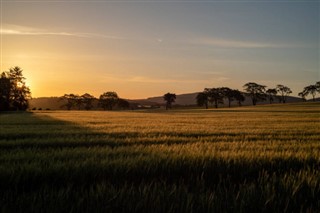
[(108, 100), (311, 89), (123, 104), (87, 100), (14, 93), (271, 93), (238, 96), (70, 99), (169, 98), (5, 87), (215, 96), (203, 99), (284, 92), (255, 91), (228, 94)]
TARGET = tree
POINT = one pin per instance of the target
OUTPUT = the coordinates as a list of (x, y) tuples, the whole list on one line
[(311, 89), (108, 100), (87, 100), (5, 87), (215, 96), (284, 92), (169, 98), (227, 93), (303, 96), (78, 101), (14, 92), (238, 96), (202, 99), (271, 93), (255, 91), (70, 99), (123, 104), (318, 86)]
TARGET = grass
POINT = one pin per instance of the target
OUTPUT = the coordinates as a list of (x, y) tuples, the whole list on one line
[(248, 159)]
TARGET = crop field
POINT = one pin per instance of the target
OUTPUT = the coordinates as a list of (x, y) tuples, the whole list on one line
[(247, 159)]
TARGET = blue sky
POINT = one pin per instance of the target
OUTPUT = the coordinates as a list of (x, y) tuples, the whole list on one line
[(142, 48)]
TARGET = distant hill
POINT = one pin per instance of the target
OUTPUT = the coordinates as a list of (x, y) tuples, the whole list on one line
[(46, 103), (189, 99)]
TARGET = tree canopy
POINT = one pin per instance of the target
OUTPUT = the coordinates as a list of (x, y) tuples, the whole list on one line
[(284, 91), (14, 94), (255, 91), (312, 90), (169, 98), (108, 100)]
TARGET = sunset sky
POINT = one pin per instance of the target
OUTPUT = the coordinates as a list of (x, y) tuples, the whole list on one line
[(147, 48)]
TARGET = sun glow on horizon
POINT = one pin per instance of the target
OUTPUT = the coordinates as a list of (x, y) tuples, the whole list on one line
[(143, 50)]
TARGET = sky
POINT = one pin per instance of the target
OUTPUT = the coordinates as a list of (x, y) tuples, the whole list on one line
[(147, 48)]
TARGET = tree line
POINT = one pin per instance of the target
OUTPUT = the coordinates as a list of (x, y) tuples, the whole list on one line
[(14, 95), (254, 91), (107, 101)]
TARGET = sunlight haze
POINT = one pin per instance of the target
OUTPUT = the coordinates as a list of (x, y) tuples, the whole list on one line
[(147, 48)]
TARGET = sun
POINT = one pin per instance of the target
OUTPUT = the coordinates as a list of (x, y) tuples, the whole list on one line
[(20, 85)]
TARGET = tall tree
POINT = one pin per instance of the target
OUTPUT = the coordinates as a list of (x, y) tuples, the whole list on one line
[(255, 91), (79, 101), (318, 86), (284, 91), (87, 100), (238, 96), (5, 87), (303, 96), (271, 93), (14, 92), (312, 90), (169, 98), (215, 96), (108, 100), (70, 100), (203, 99)]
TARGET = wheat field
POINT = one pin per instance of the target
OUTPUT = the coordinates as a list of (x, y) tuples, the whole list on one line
[(246, 159)]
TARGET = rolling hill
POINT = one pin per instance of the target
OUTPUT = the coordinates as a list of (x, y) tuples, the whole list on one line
[(188, 99)]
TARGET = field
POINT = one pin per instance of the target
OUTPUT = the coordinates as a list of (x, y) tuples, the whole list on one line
[(247, 159)]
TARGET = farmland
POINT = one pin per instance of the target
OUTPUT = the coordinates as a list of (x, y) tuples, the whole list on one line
[(258, 159)]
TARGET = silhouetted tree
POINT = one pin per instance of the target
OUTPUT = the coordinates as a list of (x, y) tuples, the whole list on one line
[(202, 99), (255, 91), (108, 100), (14, 92), (5, 87), (271, 93), (123, 104), (284, 92), (318, 86), (87, 100), (215, 96), (238, 96), (169, 98), (78, 101), (228, 94), (311, 89), (70, 99), (303, 96)]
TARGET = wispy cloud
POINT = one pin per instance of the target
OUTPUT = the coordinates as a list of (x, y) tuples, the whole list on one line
[(228, 43), (145, 79), (23, 30)]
